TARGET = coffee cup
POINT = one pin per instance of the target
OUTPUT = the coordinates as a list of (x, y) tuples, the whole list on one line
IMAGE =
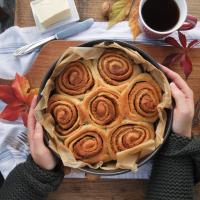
[(159, 18)]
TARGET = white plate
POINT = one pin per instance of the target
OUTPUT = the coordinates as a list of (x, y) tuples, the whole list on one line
[(73, 18)]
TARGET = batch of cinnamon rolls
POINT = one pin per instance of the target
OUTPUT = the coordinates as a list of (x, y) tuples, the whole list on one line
[(104, 107)]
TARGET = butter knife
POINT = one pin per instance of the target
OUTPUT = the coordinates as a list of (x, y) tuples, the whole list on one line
[(72, 30)]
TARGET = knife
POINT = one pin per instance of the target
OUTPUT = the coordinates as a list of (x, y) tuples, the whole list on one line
[(74, 29)]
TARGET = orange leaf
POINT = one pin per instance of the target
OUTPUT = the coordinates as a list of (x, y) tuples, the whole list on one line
[(24, 116), (20, 87), (134, 19), (18, 96), (6, 94), (12, 111), (30, 96)]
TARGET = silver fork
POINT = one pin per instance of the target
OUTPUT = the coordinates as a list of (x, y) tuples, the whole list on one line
[(19, 143)]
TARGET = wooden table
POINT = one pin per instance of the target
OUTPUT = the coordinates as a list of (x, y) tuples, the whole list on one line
[(86, 8), (88, 189)]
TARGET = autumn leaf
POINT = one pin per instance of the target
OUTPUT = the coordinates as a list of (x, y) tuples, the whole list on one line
[(30, 95), (18, 97), (20, 87), (119, 12), (133, 19), (6, 94), (170, 60), (193, 43), (173, 42), (182, 39), (24, 116), (184, 58), (186, 64), (12, 111)]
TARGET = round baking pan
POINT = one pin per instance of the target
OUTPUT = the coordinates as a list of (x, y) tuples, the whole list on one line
[(169, 111)]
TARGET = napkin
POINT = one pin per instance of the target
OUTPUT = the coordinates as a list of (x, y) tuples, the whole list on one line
[(16, 37), (13, 153), (13, 145)]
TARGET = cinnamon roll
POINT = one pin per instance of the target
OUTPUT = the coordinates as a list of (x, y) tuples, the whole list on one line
[(143, 97), (103, 107), (116, 68), (129, 135), (88, 144), (75, 79), (65, 113)]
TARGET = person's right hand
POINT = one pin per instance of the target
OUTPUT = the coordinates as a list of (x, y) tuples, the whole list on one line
[(184, 104), (41, 155)]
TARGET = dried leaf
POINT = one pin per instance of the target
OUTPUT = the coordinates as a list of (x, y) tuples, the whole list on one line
[(18, 97), (185, 61), (6, 94), (133, 19), (193, 43), (172, 41), (20, 87), (12, 111), (182, 39), (120, 10), (24, 116), (186, 65), (171, 59), (30, 96)]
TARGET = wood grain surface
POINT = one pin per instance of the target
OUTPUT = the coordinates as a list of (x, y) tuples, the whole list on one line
[(81, 189), (86, 8)]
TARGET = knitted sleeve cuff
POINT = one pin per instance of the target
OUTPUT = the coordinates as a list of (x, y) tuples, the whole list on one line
[(53, 177), (177, 145)]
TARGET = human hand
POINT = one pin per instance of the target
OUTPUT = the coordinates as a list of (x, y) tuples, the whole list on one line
[(184, 104), (41, 155)]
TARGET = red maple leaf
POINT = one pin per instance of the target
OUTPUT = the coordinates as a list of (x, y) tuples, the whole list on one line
[(18, 97), (183, 56)]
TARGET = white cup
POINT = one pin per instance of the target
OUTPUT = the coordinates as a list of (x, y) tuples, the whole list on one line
[(185, 21)]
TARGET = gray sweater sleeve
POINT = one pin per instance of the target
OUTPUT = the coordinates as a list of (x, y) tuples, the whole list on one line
[(196, 160), (29, 182), (175, 170)]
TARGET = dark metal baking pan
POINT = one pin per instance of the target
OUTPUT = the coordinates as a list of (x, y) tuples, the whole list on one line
[(169, 111)]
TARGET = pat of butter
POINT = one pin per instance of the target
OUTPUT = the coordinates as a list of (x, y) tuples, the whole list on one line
[(50, 12)]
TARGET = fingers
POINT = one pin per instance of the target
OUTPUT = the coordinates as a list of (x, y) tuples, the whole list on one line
[(178, 96), (180, 83), (41, 155), (37, 138), (31, 117)]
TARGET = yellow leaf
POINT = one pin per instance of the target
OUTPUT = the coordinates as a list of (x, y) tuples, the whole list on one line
[(20, 87), (120, 10), (134, 19), (31, 94)]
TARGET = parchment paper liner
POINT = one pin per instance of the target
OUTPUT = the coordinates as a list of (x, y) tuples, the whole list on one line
[(128, 158)]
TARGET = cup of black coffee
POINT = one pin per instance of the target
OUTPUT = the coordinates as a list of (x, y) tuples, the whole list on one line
[(159, 18)]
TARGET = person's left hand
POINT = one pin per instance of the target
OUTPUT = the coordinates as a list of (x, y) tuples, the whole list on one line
[(41, 155)]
